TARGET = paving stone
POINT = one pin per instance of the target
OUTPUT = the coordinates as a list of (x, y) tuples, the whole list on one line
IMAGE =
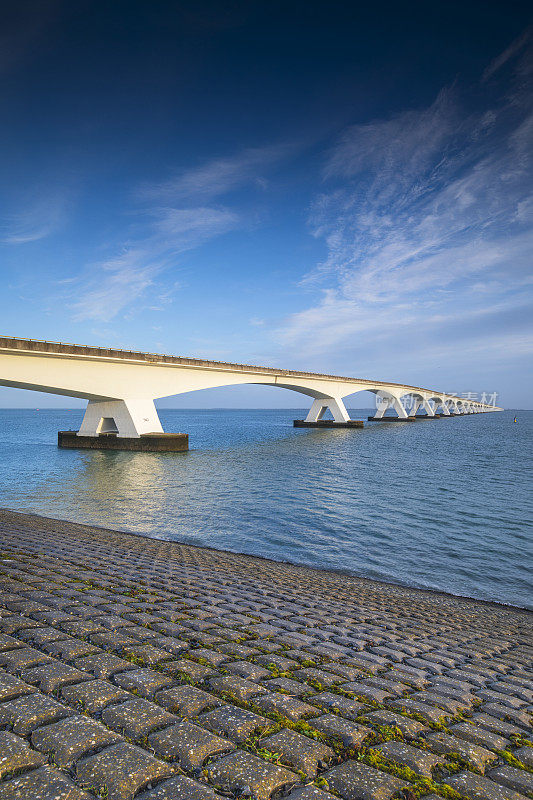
[(448, 704), (144, 682), (420, 761), (242, 769), (8, 643), (495, 725), (244, 669), (21, 659), (517, 717), (187, 701), (27, 713), (349, 673), (11, 687), (525, 755), (184, 666), (93, 696), (102, 665), (366, 693), (52, 676), (136, 718), (350, 733), (477, 756), (237, 687), (179, 788), (478, 735), (354, 780), (45, 783), (189, 744), (341, 705), (16, 756), (71, 738), (477, 787), (235, 723), (211, 656), (518, 779), (122, 769), (299, 752), (276, 660), (14, 623), (310, 793), (290, 707), (410, 728), (427, 712), (287, 686)]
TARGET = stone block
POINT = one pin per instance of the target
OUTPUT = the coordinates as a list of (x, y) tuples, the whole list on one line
[(189, 744), (299, 752), (339, 704), (290, 707), (237, 687), (16, 756), (52, 676), (354, 780), (45, 783), (27, 713), (136, 718), (122, 770), (179, 788), (187, 701), (71, 738), (478, 757), (12, 687), (144, 682), (518, 779), (350, 733), (242, 771), (235, 723), (477, 787)]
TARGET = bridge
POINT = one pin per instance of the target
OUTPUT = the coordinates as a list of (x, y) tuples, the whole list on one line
[(121, 386)]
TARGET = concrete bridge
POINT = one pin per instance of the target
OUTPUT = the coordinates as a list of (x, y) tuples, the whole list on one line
[(121, 385)]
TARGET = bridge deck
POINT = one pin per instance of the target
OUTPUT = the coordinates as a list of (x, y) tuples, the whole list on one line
[(61, 348)]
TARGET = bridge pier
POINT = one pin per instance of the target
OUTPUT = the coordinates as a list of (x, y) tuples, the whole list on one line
[(126, 418), (341, 418), (122, 425)]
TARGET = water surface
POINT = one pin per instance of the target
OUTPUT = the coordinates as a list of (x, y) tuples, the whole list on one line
[(442, 504)]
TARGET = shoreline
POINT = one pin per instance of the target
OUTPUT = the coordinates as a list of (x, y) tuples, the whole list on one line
[(390, 584)]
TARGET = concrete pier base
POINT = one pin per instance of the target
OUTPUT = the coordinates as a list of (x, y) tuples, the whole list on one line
[(146, 442), (391, 419), (426, 416), (328, 423)]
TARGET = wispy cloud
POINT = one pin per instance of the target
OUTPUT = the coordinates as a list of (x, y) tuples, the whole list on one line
[(38, 219), (177, 215), (109, 287), (420, 211), (218, 176)]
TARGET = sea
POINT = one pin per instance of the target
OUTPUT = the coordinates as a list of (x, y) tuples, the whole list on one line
[(439, 504)]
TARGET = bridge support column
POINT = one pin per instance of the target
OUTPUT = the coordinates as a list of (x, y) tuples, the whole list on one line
[(321, 405), (125, 418), (430, 411)]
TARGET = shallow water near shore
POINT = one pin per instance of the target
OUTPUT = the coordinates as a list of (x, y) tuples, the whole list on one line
[(439, 504)]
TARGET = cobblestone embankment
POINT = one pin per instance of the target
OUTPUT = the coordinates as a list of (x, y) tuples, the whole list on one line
[(136, 668)]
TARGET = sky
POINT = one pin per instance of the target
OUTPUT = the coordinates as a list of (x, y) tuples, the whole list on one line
[(325, 186)]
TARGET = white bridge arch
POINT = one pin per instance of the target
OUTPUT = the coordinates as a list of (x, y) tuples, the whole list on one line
[(121, 385)]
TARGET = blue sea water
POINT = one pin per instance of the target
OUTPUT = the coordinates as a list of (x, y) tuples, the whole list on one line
[(440, 504)]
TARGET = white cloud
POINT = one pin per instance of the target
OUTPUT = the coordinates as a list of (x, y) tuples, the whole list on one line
[(218, 176), (37, 220), (419, 211), (181, 215)]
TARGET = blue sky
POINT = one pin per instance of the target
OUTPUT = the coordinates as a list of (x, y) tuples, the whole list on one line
[(317, 186)]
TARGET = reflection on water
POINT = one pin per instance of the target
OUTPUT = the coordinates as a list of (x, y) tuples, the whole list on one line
[(441, 504)]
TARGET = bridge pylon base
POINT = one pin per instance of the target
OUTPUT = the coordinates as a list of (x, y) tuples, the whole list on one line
[(145, 443), (391, 419), (328, 423)]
